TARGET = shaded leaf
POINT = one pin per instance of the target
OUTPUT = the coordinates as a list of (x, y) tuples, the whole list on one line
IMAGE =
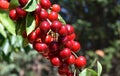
[(30, 6), (30, 23), (61, 19), (2, 31)]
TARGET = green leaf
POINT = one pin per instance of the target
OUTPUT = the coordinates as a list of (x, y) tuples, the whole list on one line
[(2, 31), (99, 66), (5, 47), (7, 22), (30, 6), (30, 23), (20, 27), (61, 19), (88, 72), (14, 3)]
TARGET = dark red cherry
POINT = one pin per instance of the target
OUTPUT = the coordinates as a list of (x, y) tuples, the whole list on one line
[(65, 53), (45, 26), (45, 4), (43, 14), (70, 29), (23, 2), (32, 36), (20, 12), (12, 14), (55, 61), (76, 46), (63, 31), (53, 16)]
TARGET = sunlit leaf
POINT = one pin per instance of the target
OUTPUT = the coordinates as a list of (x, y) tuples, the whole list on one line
[(99, 66)]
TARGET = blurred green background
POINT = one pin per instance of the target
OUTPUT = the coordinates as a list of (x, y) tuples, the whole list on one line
[(97, 25)]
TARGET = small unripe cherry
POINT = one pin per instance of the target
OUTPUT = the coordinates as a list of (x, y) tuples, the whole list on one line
[(70, 29), (55, 61), (32, 36), (80, 62), (56, 25), (53, 16), (40, 47), (65, 53), (45, 4), (45, 26), (76, 46), (56, 7), (13, 15), (43, 14)]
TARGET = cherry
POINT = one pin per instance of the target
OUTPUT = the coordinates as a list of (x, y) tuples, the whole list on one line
[(63, 31), (56, 8), (24, 34), (53, 16), (45, 26), (4, 4), (70, 29), (71, 36), (56, 25), (71, 59), (48, 39), (43, 14), (45, 4), (32, 36), (55, 61), (12, 14), (53, 46), (38, 31), (69, 44), (40, 47), (20, 12), (65, 53), (38, 9), (62, 39), (63, 69), (76, 46), (80, 62), (23, 2)]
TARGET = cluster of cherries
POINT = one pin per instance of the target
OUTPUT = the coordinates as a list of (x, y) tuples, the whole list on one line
[(53, 39)]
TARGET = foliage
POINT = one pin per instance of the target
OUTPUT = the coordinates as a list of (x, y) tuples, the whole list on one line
[(97, 24)]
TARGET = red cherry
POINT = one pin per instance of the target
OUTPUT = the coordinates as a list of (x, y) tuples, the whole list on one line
[(62, 39), (24, 34), (45, 26), (53, 16), (45, 4), (65, 53), (70, 74), (71, 59), (4, 4), (38, 31), (40, 47), (70, 29), (43, 14), (63, 31), (56, 8), (72, 36), (32, 36), (69, 44), (37, 20), (20, 12), (80, 62), (48, 39), (38, 9), (12, 14), (76, 46), (56, 25), (23, 2), (63, 69), (53, 46), (55, 61)]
